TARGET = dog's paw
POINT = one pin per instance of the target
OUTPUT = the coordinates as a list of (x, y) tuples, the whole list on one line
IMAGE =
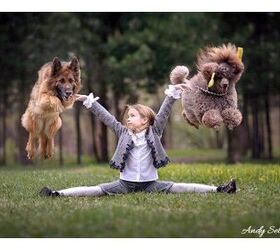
[(30, 156), (184, 114), (46, 156), (232, 118), (212, 119)]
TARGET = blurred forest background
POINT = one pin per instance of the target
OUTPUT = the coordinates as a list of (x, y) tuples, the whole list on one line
[(126, 58)]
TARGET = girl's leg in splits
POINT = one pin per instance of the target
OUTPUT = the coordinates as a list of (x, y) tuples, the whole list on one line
[(202, 188), (110, 188), (82, 191), (75, 191), (191, 187)]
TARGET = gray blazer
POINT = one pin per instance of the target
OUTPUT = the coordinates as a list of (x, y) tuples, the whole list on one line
[(125, 143)]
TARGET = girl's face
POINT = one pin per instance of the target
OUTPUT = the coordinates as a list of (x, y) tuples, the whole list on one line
[(135, 121)]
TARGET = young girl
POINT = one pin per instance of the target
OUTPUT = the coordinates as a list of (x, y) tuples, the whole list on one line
[(139, 152)]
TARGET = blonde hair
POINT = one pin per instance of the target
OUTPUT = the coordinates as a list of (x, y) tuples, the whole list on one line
[(144, 111)]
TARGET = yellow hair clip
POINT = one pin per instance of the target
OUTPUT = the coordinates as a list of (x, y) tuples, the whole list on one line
[(211, 82), (240, 53)]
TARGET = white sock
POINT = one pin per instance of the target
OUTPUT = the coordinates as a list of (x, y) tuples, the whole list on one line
[(191, 187), (82, 191)]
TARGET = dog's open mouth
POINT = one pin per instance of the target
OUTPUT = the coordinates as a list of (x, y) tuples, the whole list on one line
[(223, 86), (63, 94)]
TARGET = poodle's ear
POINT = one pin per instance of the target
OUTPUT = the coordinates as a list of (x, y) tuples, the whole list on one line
[(208, 69), (56, 66)]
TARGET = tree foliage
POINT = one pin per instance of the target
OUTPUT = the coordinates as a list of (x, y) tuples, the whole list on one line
[(132, 52)]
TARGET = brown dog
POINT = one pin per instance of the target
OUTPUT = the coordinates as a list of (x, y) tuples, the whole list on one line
[(55, 90), (211, 97)]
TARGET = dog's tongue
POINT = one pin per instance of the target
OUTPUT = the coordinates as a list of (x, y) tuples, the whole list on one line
[(65, 98), (62, 97), (224, 83)]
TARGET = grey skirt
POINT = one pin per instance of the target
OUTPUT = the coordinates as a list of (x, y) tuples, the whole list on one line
[(125, 187)]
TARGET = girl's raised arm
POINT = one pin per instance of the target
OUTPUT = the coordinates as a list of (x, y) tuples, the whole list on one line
[(101, 113), (172, 93)]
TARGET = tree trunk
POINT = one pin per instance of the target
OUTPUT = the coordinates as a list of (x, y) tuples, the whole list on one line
[(90, 78), (60, 142), (22, 133), (256, 144), (239, 137), (262, 135), (103, 135), (119, 113), (3, 114), (1, 128), (268, 125), (232, 153), (230, 149), (78, 132), (246, 136), (117, 97), (5, 108), (219, 140), (237, 141), (101, 141)]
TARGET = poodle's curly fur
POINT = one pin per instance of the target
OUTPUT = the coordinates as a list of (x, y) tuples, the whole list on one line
[(211, 106)]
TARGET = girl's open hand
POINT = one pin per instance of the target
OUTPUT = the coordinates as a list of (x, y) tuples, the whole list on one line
[(182, 86), (81, 98)]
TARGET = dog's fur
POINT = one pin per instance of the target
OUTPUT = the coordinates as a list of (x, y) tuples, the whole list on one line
[(55, 90), (204, 107)]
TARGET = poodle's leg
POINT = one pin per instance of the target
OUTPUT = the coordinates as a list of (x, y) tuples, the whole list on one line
[(190, 118), (50, 132), (212, 119), (232, 117)]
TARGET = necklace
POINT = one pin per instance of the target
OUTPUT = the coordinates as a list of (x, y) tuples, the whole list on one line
[(209, 92)]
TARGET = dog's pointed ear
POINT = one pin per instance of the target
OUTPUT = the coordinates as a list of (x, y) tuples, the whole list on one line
[(75, 66), (56, 66)]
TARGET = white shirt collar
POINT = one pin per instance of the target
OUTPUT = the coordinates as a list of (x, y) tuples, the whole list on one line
[(138, 135)]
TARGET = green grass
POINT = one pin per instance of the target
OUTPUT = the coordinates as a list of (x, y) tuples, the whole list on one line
[(24, 214), (197, 155)]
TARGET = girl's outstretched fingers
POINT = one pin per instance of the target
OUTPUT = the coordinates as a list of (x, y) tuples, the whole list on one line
[(182, 86), (80, 98)]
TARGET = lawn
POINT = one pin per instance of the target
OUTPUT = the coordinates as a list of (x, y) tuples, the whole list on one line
[(25, 214)]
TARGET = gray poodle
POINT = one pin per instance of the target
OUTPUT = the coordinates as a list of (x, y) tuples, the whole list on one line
[(211, 97)]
